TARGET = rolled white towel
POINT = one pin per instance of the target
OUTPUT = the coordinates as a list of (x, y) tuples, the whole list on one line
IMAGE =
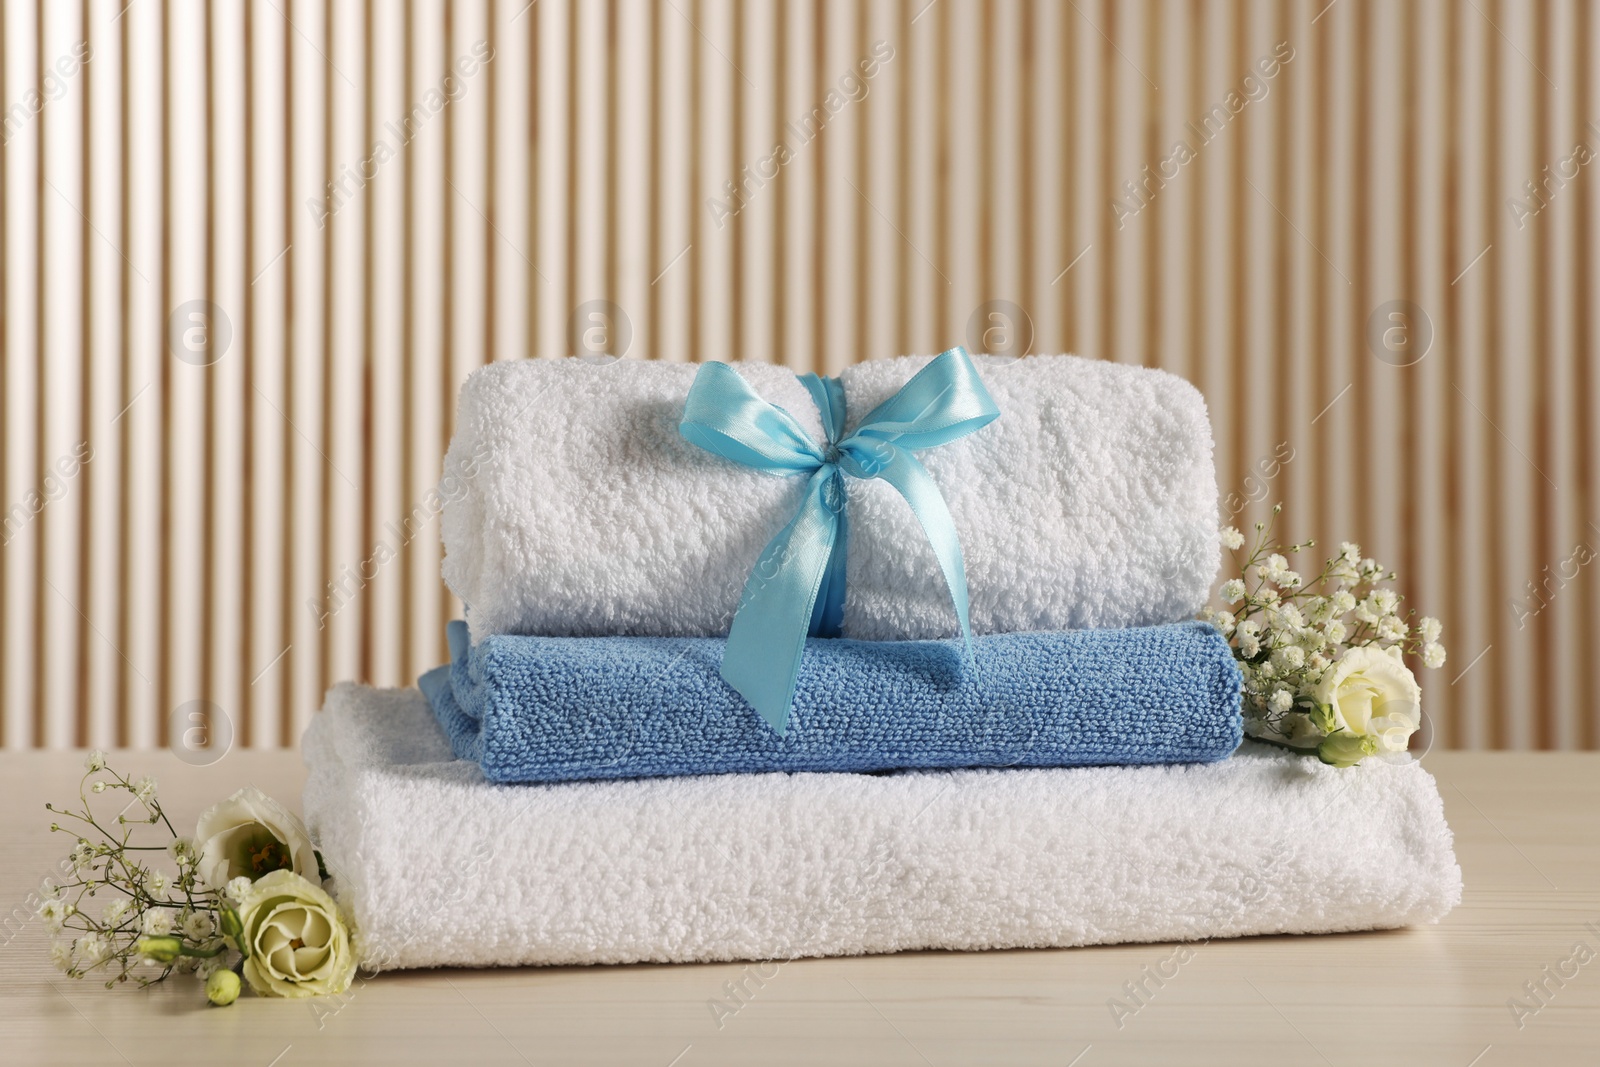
[(440, 868), (573, 506)]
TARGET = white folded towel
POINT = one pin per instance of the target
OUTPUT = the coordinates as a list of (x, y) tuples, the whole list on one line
[(572, 506), (439, 867)]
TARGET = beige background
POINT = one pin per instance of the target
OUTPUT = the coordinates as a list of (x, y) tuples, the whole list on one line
[(189, 159)]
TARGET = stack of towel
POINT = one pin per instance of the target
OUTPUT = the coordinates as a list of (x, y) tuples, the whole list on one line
[(580, 785)]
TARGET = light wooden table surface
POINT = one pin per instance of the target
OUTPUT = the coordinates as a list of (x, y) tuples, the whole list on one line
[(1527, 833)]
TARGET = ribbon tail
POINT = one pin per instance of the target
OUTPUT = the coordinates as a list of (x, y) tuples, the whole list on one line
[(827, 616), (768, 637), (913, 482)]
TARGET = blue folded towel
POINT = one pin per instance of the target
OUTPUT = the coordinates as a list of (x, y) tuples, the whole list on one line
[(549, 709)]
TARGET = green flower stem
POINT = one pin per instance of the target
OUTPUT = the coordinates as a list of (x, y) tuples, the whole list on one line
[(204, 954)]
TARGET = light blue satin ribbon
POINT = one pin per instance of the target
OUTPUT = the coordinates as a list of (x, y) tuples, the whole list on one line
[(797, 587)]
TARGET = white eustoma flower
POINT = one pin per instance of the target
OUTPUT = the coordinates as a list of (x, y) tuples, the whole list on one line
[(1282, 700), (1429, 629), (1233, 590), (1433, 656), (1231, 538), (298, 943), (1372, 694), (251, 834), (157, 922), (1393, 733)]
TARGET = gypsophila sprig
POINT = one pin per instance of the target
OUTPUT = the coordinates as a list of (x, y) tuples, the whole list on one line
[(1323, 659), (116, 896), (123, 914)]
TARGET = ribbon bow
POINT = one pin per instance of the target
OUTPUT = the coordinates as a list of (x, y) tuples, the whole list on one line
[(797, 587)]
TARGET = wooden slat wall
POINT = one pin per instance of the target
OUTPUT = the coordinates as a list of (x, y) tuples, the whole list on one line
[(229, 152)]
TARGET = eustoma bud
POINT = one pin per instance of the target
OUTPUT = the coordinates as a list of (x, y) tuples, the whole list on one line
[(160, 949), (222, 988), (233, 929)]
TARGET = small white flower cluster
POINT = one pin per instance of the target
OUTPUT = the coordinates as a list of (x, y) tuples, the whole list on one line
[(1290, 635)]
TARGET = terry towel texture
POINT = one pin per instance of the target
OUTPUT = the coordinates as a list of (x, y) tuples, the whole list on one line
[(552, 709), (573, 507), (439, 867)]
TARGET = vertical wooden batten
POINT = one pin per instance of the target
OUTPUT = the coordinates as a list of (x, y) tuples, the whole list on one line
[(221, 152)]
